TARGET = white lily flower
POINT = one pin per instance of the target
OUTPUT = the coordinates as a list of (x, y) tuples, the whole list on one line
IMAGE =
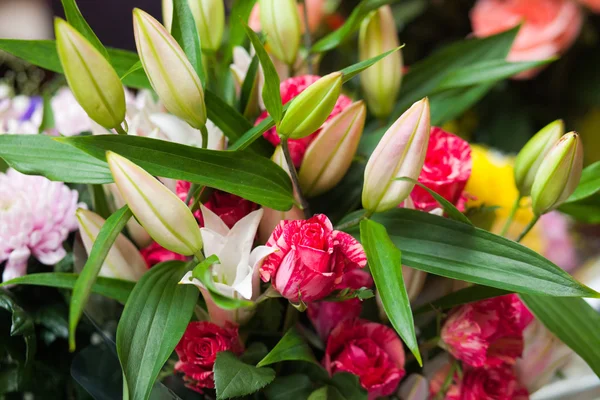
[(237, 275)]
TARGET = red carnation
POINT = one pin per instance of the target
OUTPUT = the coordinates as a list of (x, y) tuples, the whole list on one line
[(290, 88), (446, 170), (197, 351)]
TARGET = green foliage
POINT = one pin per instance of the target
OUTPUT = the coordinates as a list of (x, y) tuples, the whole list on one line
[(291, 347), (76, 20), (233, 378), (460, 297), (185, 32)]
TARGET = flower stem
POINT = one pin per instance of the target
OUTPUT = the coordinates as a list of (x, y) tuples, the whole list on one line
[(120, 130), (307, 41), (511, 216), (528, 228), (447, 382), (204, 133), (294, 174), (291, 316)]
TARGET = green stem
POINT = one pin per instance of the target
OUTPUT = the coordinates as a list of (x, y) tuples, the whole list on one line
[(120, 130), (199, 256), (352, 223), (447, 382), (307, 41), (294, 175), (204, 133), (511, 216), (291, 316), (528, 228)]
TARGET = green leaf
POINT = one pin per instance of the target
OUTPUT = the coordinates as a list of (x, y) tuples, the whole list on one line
[(455, 250), (424, 77), (76, 20), (573, 321), (270, 93), (349, 386), (83, 287), (291, 347), (447, 105), (350, 26), (355, 69), (240, 11), (47, 113), (99, 201), (586, 210), (247, 175), (460, 297), (487, 71), (40, 155), (453, 212), (234, 378), (203, 273), (22, 325), (184, 31), (296, 386), (589, 183), (135, 67), (386, 267), (248, 103), (116, 289), (153, 321)]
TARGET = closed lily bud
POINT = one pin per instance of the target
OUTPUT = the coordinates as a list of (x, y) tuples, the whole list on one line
[(123, 261), (329, 156), (169, 71), (311, 108), (209, 16), (167, 14), (280, 20), (137, 233), (558, 175), (380, 83), (530, 157), (92, 79), (164, 216), (400, 153)]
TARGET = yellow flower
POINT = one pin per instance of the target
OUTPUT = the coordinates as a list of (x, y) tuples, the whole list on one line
[(492, 184)]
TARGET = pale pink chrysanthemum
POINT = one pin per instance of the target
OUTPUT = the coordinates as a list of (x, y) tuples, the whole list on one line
[(36, 215)]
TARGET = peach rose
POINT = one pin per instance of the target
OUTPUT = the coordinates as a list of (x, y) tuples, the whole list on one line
[(549, 26)]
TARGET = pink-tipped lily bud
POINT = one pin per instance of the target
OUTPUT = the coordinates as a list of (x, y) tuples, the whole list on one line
[(171, 74), (329, 156), (400, 153), (280, 20), (92, 79), (558, 175), (530, 157), (271, 218), (164, 216), (311, 108), (380, 83), (123, 261)]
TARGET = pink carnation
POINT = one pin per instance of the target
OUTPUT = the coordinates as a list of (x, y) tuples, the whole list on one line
[(487, 332), (36, 217), (311, 258), (325, 315), (155, 254), (369, 350), (290, 88), (446, 170)]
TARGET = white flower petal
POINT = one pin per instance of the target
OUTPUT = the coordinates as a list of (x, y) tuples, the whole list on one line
[(213, 222)]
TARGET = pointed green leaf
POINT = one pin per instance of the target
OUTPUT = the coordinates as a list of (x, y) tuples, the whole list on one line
[(386, 267), (460, 297), (589, 184), (355, 69), (240, 11), (116, 289), (83, 287), (154, 319), (291, 347), (185, 33), (233, 378)]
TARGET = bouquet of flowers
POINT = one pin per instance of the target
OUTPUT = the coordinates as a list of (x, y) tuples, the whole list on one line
[(272, 233)]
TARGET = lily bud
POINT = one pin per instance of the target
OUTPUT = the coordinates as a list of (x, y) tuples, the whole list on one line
[(209, 16), (558, 175), (271, 218), (530, 157), (123, 261), (169, 71), (329, 156), (137, 233), (167, 13), (380, 83), (280, 20), (311, 108), (92, 79), (164, 216), (400, 153)]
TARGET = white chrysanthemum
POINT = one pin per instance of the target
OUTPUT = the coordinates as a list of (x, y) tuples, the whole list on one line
[(36, 216)]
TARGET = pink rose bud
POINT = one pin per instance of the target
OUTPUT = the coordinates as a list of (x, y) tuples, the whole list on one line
[(271, 218), (558, 175), (487, 333), (530, 157), (164, 216), (400, 153), (329, 156), (280, 21), (311, 108), (170, 72), (310, 258), (92, 79), (380, 83), (123, 261), (371, 351)]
